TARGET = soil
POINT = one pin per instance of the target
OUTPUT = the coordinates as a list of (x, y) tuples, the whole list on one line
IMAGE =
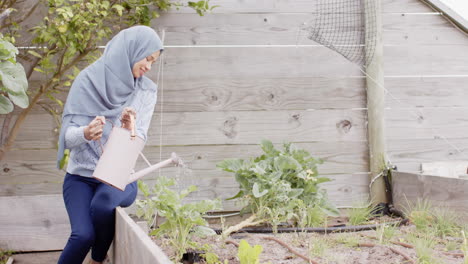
[(325, 248)]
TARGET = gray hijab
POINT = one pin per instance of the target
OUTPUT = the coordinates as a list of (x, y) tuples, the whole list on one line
[(106, 86)]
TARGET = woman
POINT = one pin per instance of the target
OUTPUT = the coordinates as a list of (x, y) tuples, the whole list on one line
[(112, 88)]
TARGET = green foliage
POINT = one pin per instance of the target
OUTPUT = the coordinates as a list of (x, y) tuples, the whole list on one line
[(143, 11), (183, 220), (318, 247), (464, 247), (424, 245), (348, 239), (420, 214), (4, 255), (280, 185), (445, 222), (386, 232), (439, 221), (14, 84), (248, 254), (68, 35), (360, 214)]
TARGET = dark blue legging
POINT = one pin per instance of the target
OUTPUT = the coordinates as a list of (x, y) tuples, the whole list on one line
[(91, 208)]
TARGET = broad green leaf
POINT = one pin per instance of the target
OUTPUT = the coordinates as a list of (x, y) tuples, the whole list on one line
[(238, 195), (231, 165), (295, 193), (248, 254), (7, 50), (5, 105), (35, 54), (203, 231), (20, 100), (283, 163), (268, 148), (13, 77), (256, 191)]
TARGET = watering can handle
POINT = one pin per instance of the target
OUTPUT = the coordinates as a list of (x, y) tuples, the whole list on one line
[(132, 134)]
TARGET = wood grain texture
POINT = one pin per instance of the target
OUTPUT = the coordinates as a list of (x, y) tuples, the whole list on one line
[(426, 123), (37, 166), (33, 223), (299, 6), (132, 245), (430, 92), (343, 190), (237, 127), (440, 191), (233, 94), (408, 154)]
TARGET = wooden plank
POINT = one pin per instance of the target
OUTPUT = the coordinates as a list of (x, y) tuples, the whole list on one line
[(228, 94), (259, 6), (251, 62), (411, 187), (299, 6), (432, 123), (208, 128), (240, 29), (405, 6), (426, 60), (454, 15), (262, 62), (132, 245), (451, 169), (344, 190), (414, 29), (428, 91), (289, 29), (38, 166), (33, 223), (408, 154), (37, 257)]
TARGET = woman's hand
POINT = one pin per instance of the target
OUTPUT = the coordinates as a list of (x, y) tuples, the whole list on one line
[(94, 129), (125, 118)]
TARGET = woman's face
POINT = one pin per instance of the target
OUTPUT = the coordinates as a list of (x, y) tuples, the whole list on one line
[(141, 67)]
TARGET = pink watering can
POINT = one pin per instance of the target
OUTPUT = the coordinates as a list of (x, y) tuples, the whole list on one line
[(115, 167)]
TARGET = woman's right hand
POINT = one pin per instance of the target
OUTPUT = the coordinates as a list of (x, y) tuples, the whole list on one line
[(95, 128)]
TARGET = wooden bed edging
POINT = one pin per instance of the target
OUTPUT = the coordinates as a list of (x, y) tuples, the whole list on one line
[(132, 244), (440, 191)]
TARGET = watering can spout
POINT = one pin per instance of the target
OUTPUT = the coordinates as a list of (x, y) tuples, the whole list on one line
[(174, 160)]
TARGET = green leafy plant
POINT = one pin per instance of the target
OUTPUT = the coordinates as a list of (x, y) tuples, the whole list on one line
[(420, 214), (360, 214), (318, 247), (68, 36), (349, 240), (423, 245), (248, 254), (278, 185), (440, 221), (14, 84), (386, 232), (445, 222), (182, 220)]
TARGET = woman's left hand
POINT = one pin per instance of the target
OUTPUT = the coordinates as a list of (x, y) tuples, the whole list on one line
[(125, 117)]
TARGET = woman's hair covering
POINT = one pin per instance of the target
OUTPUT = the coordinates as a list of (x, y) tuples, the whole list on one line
[(105, 87)]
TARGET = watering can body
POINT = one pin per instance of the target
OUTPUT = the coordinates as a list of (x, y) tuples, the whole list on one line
[(119, 157), (115, 167)]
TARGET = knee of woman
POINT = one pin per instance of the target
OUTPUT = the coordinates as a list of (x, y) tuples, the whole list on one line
[(84, 238)]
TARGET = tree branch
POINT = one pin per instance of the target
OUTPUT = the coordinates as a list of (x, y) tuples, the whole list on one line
[(22, 116), (33, 8)]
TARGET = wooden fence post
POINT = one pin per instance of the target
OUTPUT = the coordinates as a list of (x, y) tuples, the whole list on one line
[(375, 98)]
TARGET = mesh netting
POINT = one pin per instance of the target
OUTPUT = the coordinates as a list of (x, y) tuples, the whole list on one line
[(341, 26)]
